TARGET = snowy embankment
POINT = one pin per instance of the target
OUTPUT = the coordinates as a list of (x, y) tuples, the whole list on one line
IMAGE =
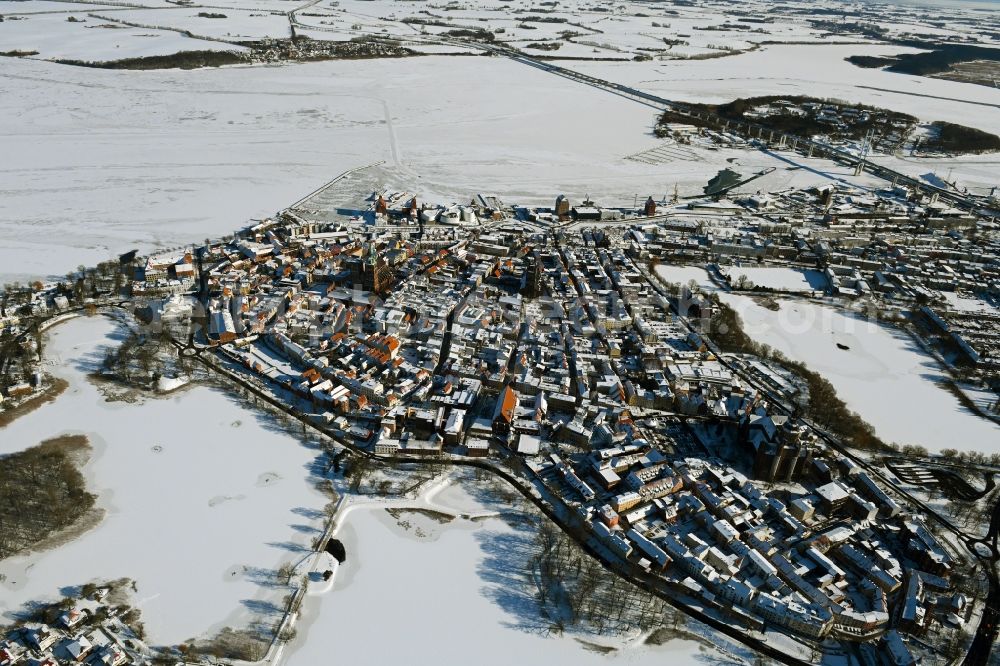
[(171, 384), (204, 500)]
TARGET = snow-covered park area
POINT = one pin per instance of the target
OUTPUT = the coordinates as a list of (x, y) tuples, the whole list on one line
[(779, 278), (686, 274), (884, 375), (203, 500)]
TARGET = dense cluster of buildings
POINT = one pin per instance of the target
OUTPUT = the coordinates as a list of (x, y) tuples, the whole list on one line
[(88, 632), (543, 336)]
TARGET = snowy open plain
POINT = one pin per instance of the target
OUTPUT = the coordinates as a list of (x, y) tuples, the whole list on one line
[(107, 161)]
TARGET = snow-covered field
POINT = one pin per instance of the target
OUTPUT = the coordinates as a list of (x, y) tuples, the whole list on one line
[(779, 277), (969, 303), (674, 274), (818, 70), (577, 29), (204, 500), (462, 602), (90, 38), (884, 376), (108, 161), (822, 71)]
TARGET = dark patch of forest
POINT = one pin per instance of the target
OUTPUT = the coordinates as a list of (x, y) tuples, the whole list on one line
[(939, 59), (300, 49), (42, 492), (952, 138), (182, 60)]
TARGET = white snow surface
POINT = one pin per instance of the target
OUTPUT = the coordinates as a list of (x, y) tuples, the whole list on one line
[(459, 603), (780, 277), (683, 274), (95, 39), (817, 70), (885, 376), (107, 161)]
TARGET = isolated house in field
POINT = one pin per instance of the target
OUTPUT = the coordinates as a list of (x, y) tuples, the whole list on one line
[(503, 415)]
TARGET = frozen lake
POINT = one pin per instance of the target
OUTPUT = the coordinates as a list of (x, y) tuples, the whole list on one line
[(884, 376), (203, 499), (452, 594), (108, 161)]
